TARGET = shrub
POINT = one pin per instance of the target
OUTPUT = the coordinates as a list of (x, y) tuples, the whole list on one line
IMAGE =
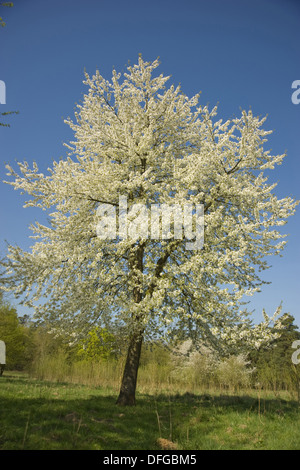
[(234, 372)]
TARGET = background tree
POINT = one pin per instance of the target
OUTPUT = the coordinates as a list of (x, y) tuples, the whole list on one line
[(16, 337), (136, 138), (274, 366), (99, 344)]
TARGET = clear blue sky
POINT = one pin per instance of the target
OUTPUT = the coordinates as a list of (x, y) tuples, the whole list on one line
[(239, 53)]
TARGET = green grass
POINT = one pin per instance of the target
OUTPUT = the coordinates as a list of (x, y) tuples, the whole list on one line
[(40, 415)]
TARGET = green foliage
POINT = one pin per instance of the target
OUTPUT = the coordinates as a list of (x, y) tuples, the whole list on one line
[(155, 352), (100, 344), (16, 337), (274, 366)]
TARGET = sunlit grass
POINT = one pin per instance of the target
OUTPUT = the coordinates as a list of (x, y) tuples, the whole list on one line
[(38, 414)]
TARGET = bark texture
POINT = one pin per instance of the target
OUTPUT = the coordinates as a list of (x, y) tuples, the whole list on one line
[(128, 385)]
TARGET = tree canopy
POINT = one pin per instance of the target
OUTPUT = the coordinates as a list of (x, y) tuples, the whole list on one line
[(136, 138)]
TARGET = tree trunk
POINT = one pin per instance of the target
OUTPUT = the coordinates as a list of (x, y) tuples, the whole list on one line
[(128, 385)]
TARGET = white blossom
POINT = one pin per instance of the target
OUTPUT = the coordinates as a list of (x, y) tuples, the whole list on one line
[(135, 137)]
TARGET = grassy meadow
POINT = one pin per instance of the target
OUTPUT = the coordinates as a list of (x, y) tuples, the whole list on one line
[(40, 414)]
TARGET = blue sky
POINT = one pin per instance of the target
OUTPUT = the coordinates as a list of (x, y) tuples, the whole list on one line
[(238, 53)]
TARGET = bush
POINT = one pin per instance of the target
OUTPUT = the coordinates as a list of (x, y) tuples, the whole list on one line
[(195, 367), (234, 372)]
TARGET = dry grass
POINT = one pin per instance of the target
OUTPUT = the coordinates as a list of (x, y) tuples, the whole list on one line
[(165, 444)]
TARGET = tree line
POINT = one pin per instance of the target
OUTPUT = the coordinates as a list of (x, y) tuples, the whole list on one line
[(29, 343)]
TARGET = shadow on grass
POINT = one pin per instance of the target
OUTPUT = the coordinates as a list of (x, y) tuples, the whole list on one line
[(43, 415)]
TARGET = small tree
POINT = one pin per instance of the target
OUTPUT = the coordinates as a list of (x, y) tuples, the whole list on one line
[(234, 372), (274, 364), (99, 344), (153, 145), (195, 365)]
